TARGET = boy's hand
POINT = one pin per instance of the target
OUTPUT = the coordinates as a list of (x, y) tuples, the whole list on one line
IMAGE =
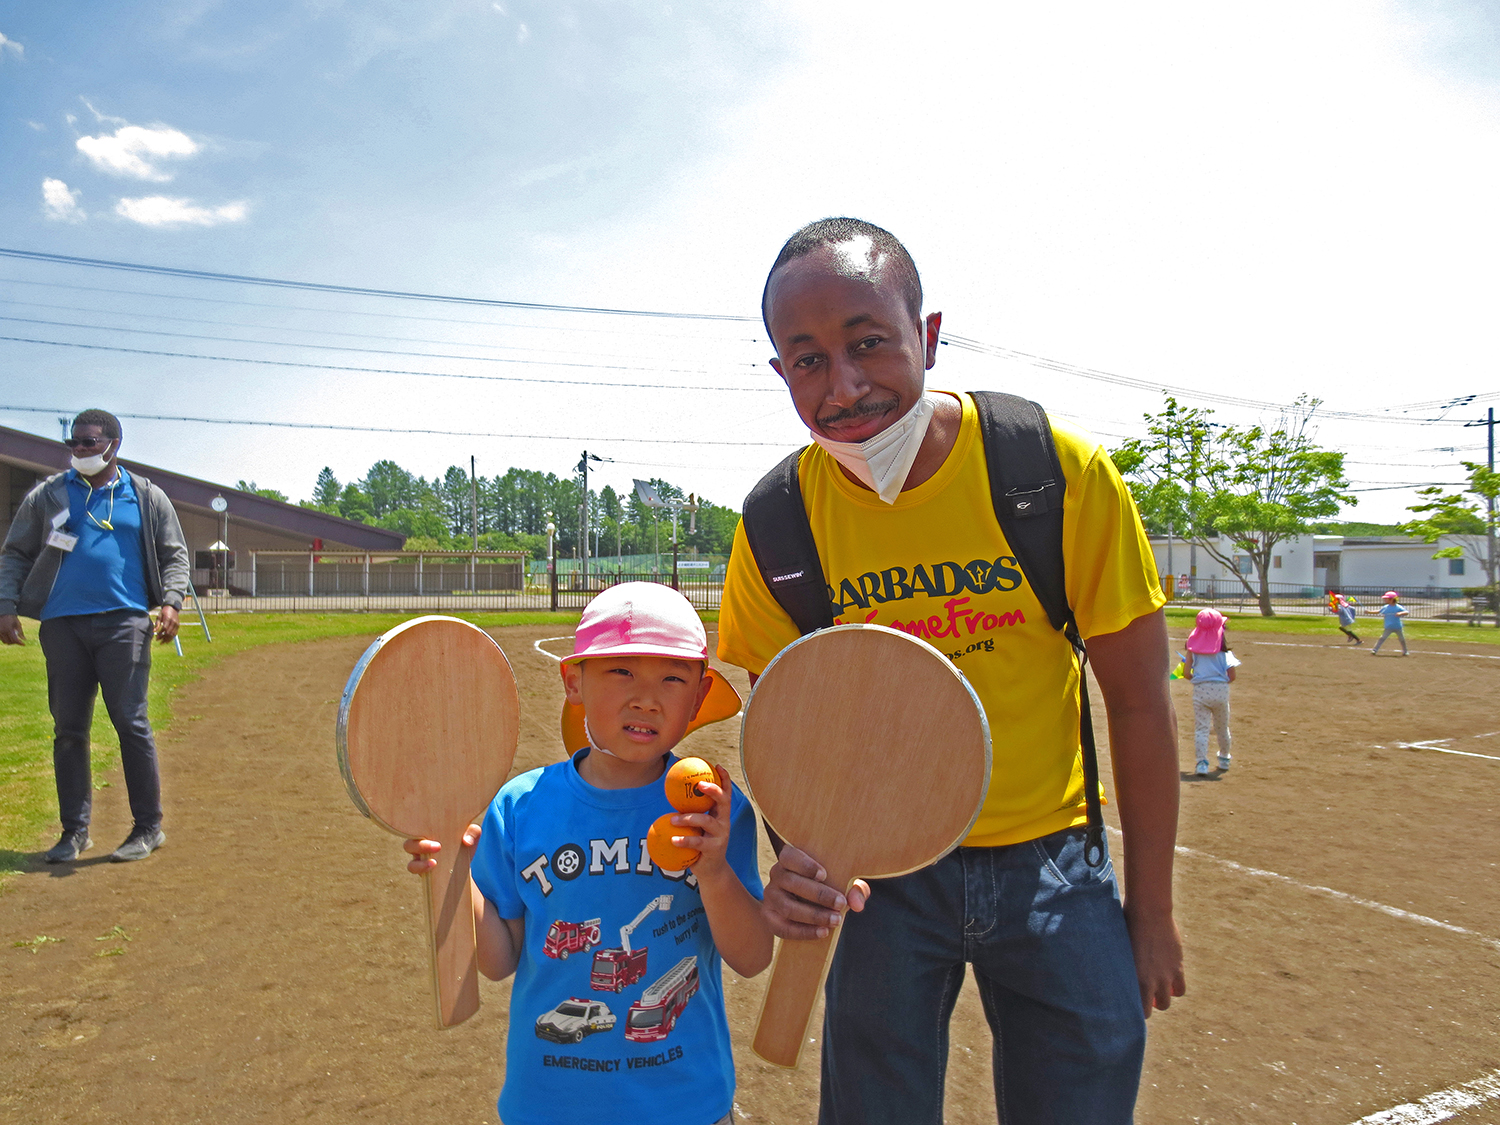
[(714, 843), (424, 850)]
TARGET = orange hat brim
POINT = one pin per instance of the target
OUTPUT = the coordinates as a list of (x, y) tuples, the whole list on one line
[(722, 702)]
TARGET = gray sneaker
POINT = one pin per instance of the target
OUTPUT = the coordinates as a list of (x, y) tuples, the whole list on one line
[(66, 850), (138, 845), (1203, 769), (1224, 761)]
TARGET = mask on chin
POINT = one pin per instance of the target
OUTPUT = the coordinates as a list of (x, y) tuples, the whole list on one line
[(884, 461), (91, 466)]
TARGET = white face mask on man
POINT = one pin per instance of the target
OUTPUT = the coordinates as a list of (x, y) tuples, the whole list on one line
[(92, 466), (884, 461)]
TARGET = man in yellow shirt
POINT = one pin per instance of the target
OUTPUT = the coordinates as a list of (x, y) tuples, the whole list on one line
[(898, 497)]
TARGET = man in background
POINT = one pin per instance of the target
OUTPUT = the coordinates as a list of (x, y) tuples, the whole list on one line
[(89, 552)]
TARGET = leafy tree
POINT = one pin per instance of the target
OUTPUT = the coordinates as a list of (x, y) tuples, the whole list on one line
[(1469, 515), (454, 494), (354, 504), (388, 487), (1255, 486), (268, 493), (424, 523)]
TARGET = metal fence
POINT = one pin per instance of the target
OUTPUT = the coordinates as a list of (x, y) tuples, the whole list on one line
[(418, 582), (1422, 603)]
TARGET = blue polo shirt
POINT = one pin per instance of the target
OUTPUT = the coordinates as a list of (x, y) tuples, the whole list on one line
[(105, 571)]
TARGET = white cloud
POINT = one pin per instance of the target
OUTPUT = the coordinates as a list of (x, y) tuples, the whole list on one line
[(523, 33), (11, 45), (161, 211), (60, 203), (134, 151)]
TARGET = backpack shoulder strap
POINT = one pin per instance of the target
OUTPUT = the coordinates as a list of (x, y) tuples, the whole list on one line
[(785, 552), (1026, 487)]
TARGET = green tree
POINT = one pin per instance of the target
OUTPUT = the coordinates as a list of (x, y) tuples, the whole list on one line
[(389, 487), (354, 504), (268, 493), (1255, 486), (326, 491), (1469, 515)]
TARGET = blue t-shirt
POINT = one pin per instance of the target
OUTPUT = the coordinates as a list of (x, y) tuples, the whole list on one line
[(105, 571), (1392, 612), (1346, 615), (600, 1033), (1213, 667)]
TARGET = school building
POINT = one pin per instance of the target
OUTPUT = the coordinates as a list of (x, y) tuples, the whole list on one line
[(217, 540), (1331, 562)]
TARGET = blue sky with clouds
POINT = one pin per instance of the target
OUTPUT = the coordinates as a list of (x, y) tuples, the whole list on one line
[(1298, 197)]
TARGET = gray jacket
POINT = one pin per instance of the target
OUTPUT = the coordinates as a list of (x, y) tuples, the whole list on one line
[(28, 567)]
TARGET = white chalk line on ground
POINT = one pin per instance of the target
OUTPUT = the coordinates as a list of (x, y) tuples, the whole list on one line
[(548, 640), (1441, 1105), (1436, 744), (1342, 896), (1349, 647)]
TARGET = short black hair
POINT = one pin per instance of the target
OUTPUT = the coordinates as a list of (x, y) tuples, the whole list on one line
[(101, 418), (831, 232)]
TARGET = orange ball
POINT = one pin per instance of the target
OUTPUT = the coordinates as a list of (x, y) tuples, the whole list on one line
[(682, 782), (667, 855)]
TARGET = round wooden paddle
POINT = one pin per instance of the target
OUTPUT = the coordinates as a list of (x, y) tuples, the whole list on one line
[(868, 750), (426, 734)]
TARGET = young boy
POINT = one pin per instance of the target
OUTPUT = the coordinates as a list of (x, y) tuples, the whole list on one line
[(1393, 612), (617, 1013)]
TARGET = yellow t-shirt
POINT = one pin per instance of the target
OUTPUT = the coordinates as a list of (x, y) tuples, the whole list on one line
[(936, 564)]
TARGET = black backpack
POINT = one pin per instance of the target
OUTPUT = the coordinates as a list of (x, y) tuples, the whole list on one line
[(1026, 486)]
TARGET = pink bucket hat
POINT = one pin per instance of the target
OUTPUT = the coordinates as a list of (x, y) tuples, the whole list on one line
[(645, 619), (1391, 594), (1208, 635)]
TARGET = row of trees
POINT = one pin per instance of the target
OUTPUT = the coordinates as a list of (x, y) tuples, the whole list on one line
[(1257, 486), (513, 510)]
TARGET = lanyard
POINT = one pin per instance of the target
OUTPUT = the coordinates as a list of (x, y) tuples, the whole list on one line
[(106, 524)]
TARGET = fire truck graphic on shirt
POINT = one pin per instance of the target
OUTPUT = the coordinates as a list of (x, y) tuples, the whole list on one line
[(655, 1014), (564, 938), (618, 968)]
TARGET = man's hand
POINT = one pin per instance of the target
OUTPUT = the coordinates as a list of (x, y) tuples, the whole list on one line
[(166, 624), (10, 630), (1157, 947), (799, 904)]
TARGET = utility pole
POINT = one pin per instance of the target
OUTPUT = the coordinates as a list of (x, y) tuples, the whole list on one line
[(473, 525), (583, 467)]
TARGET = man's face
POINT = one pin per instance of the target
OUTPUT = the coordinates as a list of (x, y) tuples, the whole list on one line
[(851, 352), (90, 440)]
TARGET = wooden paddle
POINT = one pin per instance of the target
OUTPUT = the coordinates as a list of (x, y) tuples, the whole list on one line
[(426, 734), (868, 750)]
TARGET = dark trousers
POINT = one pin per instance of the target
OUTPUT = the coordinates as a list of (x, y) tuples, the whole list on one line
[(87, 654)]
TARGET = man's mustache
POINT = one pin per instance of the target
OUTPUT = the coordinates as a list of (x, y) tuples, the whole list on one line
[(862, 409)]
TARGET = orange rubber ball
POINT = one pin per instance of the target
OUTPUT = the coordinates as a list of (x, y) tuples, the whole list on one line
[(683, 781), (665, 854)]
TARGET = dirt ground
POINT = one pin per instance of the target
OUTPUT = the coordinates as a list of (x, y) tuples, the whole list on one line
[(266, 965)]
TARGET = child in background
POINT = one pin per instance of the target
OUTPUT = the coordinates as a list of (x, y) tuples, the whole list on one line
[(560, 866), (1346, 611), (1393, 612), (1210, 665)]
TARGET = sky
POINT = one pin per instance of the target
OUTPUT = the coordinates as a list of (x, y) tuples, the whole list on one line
[(1247, 203)]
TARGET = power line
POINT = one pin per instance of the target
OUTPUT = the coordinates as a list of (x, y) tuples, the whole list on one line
[(360, 291), (406, 430), (613, 331), (364, 351), (398, 371)]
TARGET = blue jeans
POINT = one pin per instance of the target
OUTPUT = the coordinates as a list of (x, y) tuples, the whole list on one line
[(1047, 939)]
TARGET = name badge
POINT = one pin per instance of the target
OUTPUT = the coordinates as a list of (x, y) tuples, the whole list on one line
[(62, 540)]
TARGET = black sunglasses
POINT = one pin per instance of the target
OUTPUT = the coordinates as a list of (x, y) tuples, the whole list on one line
[(87, 442)]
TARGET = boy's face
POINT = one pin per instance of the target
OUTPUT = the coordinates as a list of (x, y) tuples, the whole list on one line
[(638, 707)]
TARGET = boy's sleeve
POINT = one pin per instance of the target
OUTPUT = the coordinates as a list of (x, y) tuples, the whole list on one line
[(493, 867), (743, 842)]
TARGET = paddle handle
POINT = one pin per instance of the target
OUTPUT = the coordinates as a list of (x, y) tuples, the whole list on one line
[(792, 994), (450, 931)]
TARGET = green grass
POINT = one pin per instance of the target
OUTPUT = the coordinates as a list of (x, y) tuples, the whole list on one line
[(28, 797), (1307, 625)]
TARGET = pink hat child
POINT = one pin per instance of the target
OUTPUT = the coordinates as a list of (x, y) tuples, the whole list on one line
[(645, 619), (1208, 635)]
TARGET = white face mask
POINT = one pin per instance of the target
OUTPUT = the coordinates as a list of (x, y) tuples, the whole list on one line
[(92, 466), (884, 461)]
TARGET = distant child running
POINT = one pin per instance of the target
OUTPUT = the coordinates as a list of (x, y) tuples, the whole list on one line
[(1393, 612), (1347, 612), (631, 1027), (1210, 665)]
